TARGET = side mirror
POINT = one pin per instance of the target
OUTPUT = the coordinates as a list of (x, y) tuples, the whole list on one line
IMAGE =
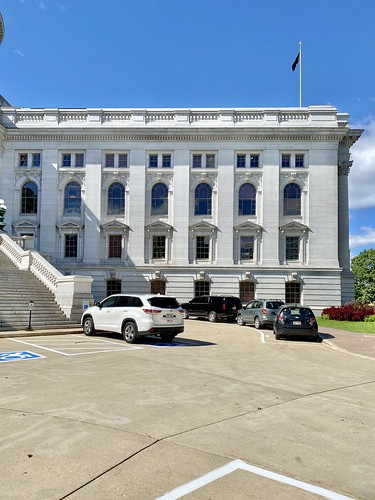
[(98, 304)]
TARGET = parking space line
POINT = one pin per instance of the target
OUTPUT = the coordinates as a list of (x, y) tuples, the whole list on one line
[(130, 348), (239, 464)]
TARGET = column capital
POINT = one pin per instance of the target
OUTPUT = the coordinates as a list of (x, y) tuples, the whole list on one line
[(344, 167)]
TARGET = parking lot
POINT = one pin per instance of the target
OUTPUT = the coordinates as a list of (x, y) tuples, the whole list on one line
[(222, 412)]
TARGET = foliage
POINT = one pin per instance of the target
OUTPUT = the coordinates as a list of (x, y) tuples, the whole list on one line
[(370, 318), (363, 268), (353, 311)]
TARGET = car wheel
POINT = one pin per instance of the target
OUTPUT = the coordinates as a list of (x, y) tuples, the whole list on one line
[(167, 338), (240, 320), (185, 314), (277, 336), (212, 316), (88, 326), (256, 322), (130, 332)]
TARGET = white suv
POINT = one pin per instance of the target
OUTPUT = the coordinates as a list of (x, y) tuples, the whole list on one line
[(135, 316)]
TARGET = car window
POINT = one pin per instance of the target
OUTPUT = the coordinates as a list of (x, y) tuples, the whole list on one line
[(110, 302), (258, 305), (273, 304), (135, 302), (164, 302), (123, 301), (233, 301), (216, 300)]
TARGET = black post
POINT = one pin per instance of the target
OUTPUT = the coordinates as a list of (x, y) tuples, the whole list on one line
[(31, 307)]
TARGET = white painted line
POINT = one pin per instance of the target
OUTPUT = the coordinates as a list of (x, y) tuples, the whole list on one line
[(262, 339), (78, 353), (239, 464)]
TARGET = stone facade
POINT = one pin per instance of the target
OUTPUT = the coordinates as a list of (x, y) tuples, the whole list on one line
[(236, 201)]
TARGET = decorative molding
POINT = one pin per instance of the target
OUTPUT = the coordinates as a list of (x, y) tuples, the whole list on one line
[(344, 167)]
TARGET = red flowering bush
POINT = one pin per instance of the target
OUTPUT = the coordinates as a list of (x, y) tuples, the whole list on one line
[(349, 312)]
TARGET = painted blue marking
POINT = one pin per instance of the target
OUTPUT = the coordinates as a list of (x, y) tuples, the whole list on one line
[(18, 356)]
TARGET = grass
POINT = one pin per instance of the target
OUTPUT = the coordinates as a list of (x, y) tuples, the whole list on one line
[(349, 326)]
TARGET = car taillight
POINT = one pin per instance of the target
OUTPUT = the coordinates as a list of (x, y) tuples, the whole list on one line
[(312, 321), (281, 319), (224, 307), (263, 311), (151, 311), (181, 311)]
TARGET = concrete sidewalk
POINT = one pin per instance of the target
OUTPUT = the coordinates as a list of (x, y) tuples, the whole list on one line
[(360, 344)]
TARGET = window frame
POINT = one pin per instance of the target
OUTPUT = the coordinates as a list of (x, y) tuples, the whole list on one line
[(26, 200)]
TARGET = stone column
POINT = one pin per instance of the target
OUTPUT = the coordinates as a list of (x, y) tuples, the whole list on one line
[(343, 214)]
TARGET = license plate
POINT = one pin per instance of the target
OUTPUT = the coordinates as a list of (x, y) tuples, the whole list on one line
[(169, 316), (297, 323)]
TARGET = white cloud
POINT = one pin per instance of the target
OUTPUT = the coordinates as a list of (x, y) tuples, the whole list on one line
[(362, 173), (17, 51), (366, 239)]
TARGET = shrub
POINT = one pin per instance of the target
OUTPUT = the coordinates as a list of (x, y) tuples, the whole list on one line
[(349, 312), (370, 318)]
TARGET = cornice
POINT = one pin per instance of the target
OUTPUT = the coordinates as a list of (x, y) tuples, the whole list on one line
[(16, 136)]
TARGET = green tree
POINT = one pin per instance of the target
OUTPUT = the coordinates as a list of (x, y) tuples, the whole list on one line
[(363, 268)]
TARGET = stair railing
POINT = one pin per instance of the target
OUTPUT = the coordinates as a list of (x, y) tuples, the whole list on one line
[(72, 293)]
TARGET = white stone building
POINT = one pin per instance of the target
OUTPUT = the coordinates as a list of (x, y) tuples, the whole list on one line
[(247, 202)]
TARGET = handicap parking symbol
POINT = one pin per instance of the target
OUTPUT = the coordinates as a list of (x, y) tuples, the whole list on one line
[(18, 356)]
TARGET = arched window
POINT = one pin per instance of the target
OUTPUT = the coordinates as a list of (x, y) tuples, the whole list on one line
[(292, 199), (72, 198), (116, 199), (159, 199), (247, 199), (203, 199), (29, 198)]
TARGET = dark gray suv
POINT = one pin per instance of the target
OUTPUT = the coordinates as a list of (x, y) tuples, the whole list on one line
[(213, 307)]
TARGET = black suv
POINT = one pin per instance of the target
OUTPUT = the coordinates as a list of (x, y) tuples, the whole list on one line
[(213, 307)]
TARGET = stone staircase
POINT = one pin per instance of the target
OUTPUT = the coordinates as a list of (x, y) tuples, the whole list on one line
[(17, 288)]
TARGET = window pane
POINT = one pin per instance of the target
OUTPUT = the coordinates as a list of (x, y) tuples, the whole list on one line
[(72, 198), (23, 160), (36, 159), (159, 199), (115, 244), (113, 286), (247, 291), (247, 247), (285, 161), (71, 245), (158, 247), (116, 198), (197, 161), (292, 199), (254, 161), (123, 160), (29, 198), (210, 161), (292, 248), (203, 247), (241, 161), (79, 160), (203, 195), (292, 293), (109, 160), (153, 161), (247, 200), (299, 161), (66, 160), (166, 161), (201, 288)]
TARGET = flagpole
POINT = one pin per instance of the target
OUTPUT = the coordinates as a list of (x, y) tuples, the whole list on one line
[(300, 74)]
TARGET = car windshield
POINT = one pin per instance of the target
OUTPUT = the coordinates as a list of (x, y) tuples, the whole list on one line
[(164, 302), (273, 304), (299, 311)]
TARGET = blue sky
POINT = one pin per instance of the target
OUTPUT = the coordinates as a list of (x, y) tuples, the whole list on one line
[(201, 53)]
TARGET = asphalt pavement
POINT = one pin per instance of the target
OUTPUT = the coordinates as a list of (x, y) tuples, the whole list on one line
[(360, 344)]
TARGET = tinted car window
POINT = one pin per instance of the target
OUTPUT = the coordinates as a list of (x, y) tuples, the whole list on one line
[(135, 302), (233, 301), (123, 301), (164, 302), (273, 305), (110, 302)]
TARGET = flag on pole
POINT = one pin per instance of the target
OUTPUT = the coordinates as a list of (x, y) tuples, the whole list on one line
[(296, 61)]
